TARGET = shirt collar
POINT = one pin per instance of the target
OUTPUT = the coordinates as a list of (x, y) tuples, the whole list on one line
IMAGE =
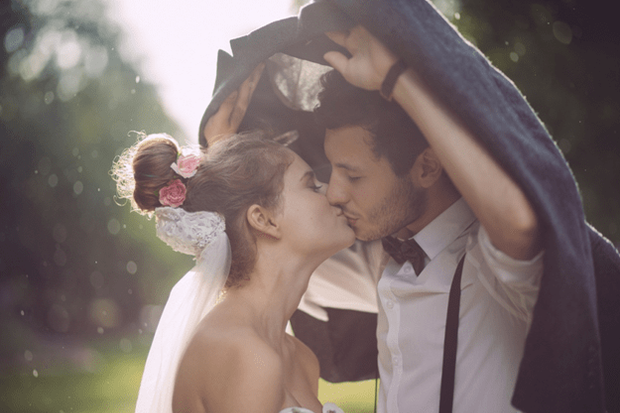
[(446, 228)]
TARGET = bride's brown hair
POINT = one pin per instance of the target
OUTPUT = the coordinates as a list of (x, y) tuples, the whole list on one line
[(234, 174)]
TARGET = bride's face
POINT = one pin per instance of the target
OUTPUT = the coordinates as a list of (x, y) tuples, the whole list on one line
[(309, 224)]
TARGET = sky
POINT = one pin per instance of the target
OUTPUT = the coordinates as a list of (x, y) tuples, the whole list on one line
[(175, 43)]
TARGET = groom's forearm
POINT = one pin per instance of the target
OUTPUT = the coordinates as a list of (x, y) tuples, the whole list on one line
[(498, 202)]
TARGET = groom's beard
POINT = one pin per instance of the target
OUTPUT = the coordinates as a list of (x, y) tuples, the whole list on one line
[(402, 206)]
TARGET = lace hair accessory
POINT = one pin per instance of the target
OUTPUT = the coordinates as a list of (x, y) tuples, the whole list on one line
[(188, 232), (202, 235)]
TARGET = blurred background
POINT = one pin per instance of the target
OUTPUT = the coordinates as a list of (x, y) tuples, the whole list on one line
[(83, 280)]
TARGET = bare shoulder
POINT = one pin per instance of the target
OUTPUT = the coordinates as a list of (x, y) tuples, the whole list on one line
[(229, 369)]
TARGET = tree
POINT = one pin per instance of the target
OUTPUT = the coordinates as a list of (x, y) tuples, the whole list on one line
[(73, 262), (564, 56)]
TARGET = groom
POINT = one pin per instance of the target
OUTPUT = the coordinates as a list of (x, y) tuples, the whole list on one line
[(405, 169)]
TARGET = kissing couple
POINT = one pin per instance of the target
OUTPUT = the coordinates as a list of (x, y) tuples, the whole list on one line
[(417, 203)]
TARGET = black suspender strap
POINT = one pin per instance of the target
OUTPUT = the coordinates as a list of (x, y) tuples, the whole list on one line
[(450, 342)]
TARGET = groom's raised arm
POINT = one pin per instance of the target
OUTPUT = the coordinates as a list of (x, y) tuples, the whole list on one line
[(496, 199)]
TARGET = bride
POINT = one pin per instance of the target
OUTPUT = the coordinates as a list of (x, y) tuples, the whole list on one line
[(253, 214)]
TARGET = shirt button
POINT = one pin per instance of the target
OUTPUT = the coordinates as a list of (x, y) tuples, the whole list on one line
[(396, 360), (389, 304), (408, 269)]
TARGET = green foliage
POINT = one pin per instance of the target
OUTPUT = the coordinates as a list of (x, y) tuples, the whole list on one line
[(564, 57)]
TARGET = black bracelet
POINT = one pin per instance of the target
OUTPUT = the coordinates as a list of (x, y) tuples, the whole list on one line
[(387, 87)]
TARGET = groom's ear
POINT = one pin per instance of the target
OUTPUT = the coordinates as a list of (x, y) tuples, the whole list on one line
[(261, 220), (427, 169)]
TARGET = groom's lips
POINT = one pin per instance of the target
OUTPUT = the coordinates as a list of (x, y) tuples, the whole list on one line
[(350, 220)]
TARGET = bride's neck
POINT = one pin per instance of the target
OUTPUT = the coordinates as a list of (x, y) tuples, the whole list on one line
[(273, 291)]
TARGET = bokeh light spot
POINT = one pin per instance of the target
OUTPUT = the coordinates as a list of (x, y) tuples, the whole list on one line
[(69, 51), (78, 187), (132, 267), (105, 312), (114, 226), (49, 97), (96, 61), (52, 180), (562, 32), (125, 345), (96, 279), (14, 39)]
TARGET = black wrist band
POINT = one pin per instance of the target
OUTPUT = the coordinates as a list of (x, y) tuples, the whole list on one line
[(387, 87)]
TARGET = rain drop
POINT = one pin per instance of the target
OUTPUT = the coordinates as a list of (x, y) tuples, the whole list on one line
[(35, 373), (28, 355)]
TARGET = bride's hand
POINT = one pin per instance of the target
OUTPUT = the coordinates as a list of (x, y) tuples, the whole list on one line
[(228, 117), (370, 59)]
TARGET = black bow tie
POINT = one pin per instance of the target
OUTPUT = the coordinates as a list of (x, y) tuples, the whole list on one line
[(403, 251)]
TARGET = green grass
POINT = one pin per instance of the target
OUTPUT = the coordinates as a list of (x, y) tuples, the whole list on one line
[(113, 387), (356, 397)]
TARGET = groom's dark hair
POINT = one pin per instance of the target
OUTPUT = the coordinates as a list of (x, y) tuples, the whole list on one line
[(395, 135)]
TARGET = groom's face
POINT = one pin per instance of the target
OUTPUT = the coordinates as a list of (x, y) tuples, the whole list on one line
[(375, 201)]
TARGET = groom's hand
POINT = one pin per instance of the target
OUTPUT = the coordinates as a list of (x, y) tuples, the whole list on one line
[(370, 60), (228, 117)]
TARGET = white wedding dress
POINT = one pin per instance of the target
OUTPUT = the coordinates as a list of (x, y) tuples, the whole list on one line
[(327, 408)]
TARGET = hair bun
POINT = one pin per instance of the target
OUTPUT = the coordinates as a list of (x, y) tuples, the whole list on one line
[(143, 169)]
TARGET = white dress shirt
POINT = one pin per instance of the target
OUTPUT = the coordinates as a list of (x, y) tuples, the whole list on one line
[(498, 294)]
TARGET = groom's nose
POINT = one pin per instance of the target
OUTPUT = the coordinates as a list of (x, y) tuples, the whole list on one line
[(336, 194)]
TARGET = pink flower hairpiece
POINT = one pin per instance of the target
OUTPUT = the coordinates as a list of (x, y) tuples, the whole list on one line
[(186, 165), (173, 194)]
